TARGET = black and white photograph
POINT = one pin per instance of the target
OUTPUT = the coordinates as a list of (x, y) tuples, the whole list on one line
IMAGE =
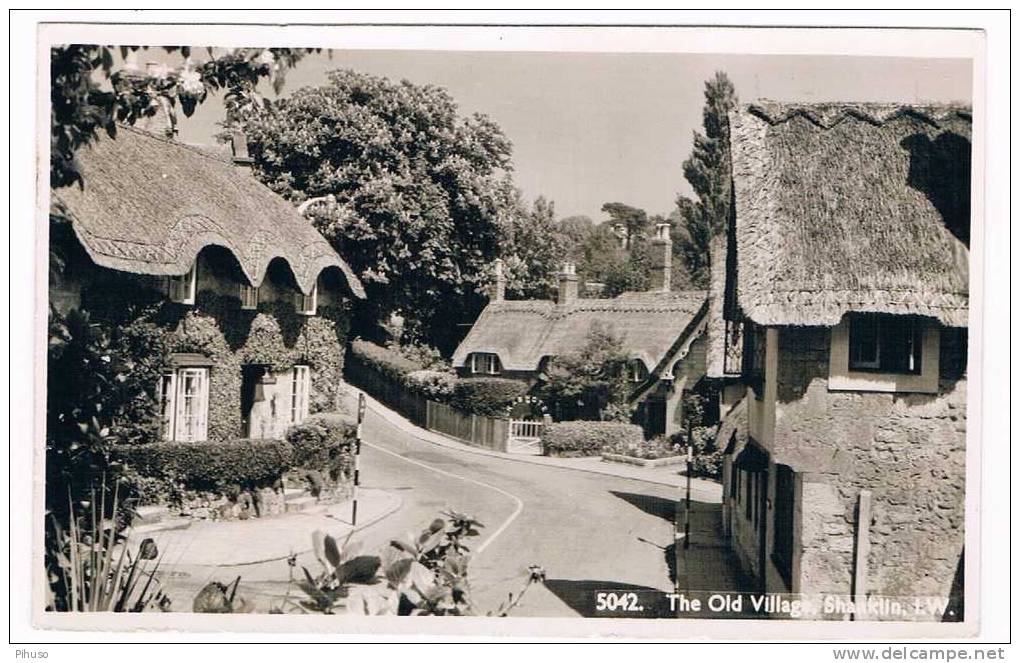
[(611, 335)]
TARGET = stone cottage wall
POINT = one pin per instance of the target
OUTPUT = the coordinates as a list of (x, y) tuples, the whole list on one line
[(907, 449)]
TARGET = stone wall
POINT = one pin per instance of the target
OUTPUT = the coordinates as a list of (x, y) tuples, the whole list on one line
[(908, 449)]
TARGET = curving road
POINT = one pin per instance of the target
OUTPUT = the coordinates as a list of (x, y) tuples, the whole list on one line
[(589, 532)]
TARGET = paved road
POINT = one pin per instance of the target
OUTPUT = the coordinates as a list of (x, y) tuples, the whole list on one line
[(590, 532)]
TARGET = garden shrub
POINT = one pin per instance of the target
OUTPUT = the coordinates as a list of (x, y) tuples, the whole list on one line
[(655, 448), (587, 438), (489, 397), (323, 443), (435, 385), (384, 360), (212, 465), (708, 455)]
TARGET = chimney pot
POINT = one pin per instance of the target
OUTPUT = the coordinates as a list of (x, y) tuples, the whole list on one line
[(498, 293), (567, 291), (239, 148), (662, 258)]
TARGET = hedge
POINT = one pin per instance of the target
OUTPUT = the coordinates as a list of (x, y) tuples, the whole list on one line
[(384, 360), (708, 455), (587, 438), (435, 385), (323, 442), (487, 397), (211, 465)]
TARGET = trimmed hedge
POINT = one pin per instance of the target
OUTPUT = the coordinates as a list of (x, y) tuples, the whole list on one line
[(488, 397), (436, 385), (588, 438), (708, 455), (212, 465), (384, 360), (322, 441)]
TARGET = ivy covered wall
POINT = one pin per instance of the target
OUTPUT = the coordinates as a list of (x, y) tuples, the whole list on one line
[(217, 327)]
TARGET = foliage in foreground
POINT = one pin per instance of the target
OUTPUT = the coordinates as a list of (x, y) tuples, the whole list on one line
[(90, 569), (423, 574)]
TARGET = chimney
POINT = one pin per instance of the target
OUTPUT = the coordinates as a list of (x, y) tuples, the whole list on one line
[(163, 122), (620, 230), (567, 292), (662, 258), (498, 291), (239, 149)]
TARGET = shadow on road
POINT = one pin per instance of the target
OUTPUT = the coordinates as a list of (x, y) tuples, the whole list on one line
[(582, 596)]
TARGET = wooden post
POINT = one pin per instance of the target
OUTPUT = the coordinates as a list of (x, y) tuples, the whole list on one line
[(357, 458), (861, 550)]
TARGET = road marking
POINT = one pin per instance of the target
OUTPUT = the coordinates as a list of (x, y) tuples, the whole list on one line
[(500, 529)]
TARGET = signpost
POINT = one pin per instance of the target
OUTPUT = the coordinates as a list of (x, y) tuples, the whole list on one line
[(357, 459)]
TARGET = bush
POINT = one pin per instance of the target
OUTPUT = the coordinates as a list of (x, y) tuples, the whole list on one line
[(436, 385), (324, 443), (384, 360), (488, 397), (657, 447), (708, 456), (212, 465), (587, 438)]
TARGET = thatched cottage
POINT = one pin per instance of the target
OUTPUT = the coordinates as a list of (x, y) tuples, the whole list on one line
[(248, 299), (662, 331), (840, 304)]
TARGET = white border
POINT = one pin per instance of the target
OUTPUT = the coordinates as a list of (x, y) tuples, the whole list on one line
[(994, 480)]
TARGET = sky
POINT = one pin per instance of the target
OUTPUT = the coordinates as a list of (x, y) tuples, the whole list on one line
[(591, 128)]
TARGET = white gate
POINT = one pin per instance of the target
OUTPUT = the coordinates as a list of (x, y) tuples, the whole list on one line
[(525, 437)]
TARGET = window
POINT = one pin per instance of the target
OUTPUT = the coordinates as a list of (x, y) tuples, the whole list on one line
[(885, 343), (754, 358), (636, 371), (299, 388), (485, 363), (782, 544), (181, 289), (184, 404), (883, 352), (249, 295), (734, 347), (306, 304)]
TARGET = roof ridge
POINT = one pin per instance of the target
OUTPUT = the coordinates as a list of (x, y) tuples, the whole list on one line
[(831, 113), (176, 143)]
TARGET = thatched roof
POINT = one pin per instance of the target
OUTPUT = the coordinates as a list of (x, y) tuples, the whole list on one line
[(851, 207), (522, 333), (149, 205)]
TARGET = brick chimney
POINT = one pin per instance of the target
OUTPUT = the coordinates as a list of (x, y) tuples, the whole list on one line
[(497, 291), (662, 258), (567, 292), (163, 122), (239, 150)]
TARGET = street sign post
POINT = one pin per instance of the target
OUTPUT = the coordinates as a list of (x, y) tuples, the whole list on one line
[(357, 460)]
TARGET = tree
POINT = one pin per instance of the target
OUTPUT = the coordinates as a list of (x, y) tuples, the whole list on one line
[(421, 196), (533, 249), (87, 96), (574, 230), (590, 383), (634, 220), (708, 172)]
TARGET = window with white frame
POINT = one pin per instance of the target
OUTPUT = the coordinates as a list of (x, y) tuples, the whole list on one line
[(181, 289), (306, 304), (485, 363), (249, 297), (300, 385), (184, 404)]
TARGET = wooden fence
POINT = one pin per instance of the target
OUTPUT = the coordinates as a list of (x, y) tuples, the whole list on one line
[(474, 429)]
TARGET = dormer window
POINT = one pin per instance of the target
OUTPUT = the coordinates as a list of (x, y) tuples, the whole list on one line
[(181, 289), (306, 304), (485, 363), (636, 371), (249, 295)]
